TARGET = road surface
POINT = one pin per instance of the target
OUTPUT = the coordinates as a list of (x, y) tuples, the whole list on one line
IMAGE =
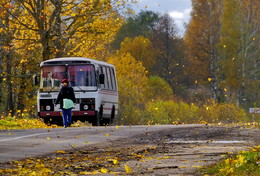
[(20, 144), (147, 150)]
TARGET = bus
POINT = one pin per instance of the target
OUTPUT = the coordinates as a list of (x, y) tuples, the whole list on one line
[(95, 86)]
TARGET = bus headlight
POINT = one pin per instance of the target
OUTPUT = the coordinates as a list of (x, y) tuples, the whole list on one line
[(85, 107), (48, 107)]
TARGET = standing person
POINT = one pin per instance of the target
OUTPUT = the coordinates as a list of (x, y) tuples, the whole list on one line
[(66, 98)]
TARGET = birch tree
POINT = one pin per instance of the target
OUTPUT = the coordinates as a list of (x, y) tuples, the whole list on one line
[(202, 38), (250, 53), (240, 51)]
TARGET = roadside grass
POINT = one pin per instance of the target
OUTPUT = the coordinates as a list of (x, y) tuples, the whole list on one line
[(245, 163), (8, 123), (27, 122)]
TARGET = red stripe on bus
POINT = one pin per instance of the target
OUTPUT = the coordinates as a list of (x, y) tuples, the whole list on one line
[(109, 93), (53, 113), (107, 109), (83, 113)]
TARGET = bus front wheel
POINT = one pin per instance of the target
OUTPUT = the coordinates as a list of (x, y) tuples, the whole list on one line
[(96, 120), (47, 121)]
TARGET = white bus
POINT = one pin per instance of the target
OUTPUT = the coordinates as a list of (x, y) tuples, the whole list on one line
[(94, 83)]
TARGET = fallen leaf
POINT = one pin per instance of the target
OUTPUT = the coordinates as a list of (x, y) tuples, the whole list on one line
[(114, 161), (128, 169), (103, 170)]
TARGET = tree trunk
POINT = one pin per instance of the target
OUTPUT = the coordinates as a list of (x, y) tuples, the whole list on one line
[(10, 101), (46, 53), (21, 91), (59, 47), (1, 79)]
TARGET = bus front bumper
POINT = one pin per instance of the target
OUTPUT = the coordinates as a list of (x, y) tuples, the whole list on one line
[(59, 113)]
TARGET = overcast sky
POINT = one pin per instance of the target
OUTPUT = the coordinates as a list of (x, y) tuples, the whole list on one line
[(179, 10)]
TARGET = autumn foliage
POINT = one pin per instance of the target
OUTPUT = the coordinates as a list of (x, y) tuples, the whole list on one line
[(205, 76), (245, 163)]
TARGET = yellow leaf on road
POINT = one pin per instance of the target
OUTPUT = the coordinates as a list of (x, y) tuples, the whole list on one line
[(103, 170), (60, 151), (165, 157), (128, 169), (114, 161)]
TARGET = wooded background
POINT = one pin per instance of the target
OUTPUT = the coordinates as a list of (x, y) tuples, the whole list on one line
[(162, 77)]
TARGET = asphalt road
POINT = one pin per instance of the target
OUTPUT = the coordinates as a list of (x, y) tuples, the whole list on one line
[(21, 144)]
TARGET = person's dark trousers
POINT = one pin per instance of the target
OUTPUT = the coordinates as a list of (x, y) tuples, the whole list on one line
[(67, 116)]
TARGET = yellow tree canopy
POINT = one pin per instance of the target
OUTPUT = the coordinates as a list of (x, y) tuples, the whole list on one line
[(64, 28), (140, 48), (132, 81), (131, 77)]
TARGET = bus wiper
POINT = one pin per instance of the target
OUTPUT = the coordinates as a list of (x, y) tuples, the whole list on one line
[(80, 88), (51, 90)]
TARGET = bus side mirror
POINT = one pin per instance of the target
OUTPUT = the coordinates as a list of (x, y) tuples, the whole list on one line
[(101, 78), (35, 80)]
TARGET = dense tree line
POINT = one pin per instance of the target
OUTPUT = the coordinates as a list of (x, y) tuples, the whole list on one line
[(215, 62), (222, 42)]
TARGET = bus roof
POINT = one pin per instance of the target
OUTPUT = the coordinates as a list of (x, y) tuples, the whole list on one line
[(63, 60)]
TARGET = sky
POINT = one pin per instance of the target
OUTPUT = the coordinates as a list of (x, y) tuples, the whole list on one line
[(179, 10)]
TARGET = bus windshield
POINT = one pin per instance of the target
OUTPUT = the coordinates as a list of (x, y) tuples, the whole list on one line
[(82, 75), (51, 77), (78, 76)]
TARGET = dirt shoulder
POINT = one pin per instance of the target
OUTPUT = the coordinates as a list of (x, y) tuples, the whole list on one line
[(175, 151)]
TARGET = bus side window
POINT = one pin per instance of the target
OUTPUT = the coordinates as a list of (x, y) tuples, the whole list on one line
[(102, 86), (105, 86), (108, 78), (113, 78)]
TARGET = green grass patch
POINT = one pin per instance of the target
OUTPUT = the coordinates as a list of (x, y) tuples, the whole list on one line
[(245, 163)]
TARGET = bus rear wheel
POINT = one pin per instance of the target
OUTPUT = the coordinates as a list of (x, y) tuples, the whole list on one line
[(105, 122)]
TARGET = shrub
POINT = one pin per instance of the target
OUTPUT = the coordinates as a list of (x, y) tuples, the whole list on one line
[(213, 112), (169, 112), (158, 88)]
